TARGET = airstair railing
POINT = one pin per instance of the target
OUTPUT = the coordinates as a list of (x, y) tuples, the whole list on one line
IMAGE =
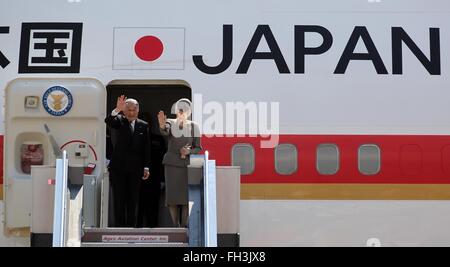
[(209, 203), (60, 218)]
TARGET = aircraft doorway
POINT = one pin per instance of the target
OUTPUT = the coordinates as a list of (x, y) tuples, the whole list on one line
[(153, 96)]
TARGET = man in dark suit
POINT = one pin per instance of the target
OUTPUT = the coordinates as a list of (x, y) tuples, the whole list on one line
[(130, 161)]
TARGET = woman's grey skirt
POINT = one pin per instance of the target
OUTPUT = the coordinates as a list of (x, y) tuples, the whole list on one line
[(176, 185)]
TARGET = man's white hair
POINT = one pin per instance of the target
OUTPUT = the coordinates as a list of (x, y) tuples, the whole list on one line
[(131, 101)]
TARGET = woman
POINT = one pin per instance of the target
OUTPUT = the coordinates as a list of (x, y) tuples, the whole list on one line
[(184, 139)]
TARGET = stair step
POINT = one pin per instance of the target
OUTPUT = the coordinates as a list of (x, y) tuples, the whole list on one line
[(135, 235), (100, 244)]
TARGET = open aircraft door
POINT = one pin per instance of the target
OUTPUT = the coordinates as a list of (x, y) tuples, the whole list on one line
[(42, 117)]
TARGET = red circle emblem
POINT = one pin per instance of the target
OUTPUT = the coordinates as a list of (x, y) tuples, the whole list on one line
[(149, 48)]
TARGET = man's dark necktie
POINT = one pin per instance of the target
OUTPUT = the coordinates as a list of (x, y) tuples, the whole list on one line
[(131, 129)]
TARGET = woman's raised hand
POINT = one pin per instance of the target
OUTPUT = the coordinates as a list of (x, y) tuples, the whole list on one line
[(162, 118)]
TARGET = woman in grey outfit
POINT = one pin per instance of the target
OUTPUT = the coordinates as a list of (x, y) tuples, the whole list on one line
[(183, 140)]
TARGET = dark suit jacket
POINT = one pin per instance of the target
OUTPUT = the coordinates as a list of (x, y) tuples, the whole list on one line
[(131, 152)]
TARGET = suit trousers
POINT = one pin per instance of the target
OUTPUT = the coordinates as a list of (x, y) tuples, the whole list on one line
[(149, 203), (126, 189)]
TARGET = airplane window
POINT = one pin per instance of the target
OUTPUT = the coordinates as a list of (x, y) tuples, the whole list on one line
[(327, 159), (286, 159), (369, 159), (243, 155)]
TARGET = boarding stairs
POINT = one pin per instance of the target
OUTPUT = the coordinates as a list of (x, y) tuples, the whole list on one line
[(73, 227)]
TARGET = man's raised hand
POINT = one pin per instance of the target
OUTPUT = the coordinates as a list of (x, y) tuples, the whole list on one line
[(120, 106)]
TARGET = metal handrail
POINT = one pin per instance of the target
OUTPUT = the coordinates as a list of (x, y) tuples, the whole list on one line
[(210, 207), (61, 201)]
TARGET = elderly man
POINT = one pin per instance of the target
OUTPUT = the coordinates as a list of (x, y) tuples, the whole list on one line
[(130, 160)]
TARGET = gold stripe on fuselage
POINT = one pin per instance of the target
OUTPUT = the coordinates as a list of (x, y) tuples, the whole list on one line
[(345, 191)]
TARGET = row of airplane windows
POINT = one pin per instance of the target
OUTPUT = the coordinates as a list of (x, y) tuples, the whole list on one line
[(327, 160)]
